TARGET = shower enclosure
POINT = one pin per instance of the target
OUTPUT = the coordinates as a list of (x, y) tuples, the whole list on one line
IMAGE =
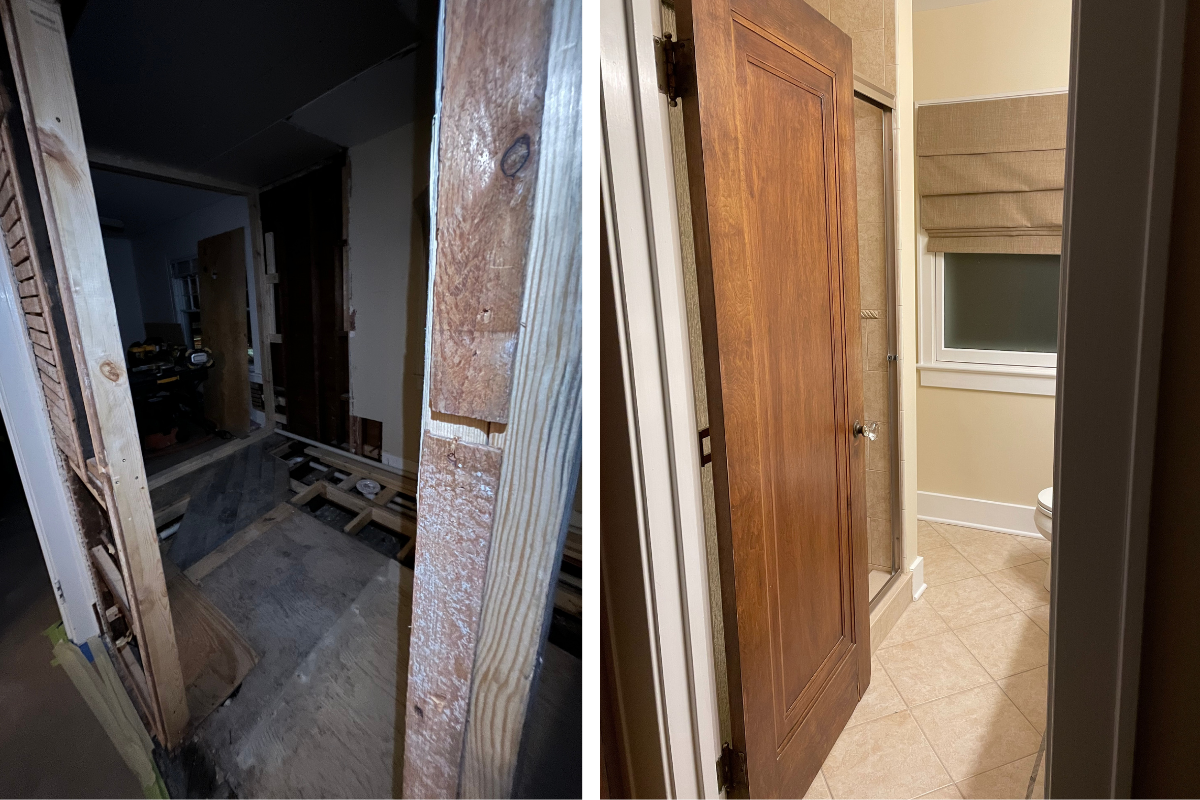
[(873, 119)]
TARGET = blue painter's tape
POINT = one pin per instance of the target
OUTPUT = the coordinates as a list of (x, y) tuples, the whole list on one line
[(87, 652)]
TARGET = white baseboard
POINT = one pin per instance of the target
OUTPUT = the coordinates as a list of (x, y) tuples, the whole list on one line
[(918, 577), (986, 514)]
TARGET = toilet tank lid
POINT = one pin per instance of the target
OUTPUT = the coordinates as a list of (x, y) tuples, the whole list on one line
[(1046, 500)]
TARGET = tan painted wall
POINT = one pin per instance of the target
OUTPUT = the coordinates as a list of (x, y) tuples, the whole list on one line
[(995, 47), (988, 445)]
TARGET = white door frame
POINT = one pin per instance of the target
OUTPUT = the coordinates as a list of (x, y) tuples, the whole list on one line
[(43, 475), (639, 200)]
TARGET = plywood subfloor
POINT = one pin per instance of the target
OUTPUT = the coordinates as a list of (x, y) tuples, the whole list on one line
[(331, 733), (287, 591), (213, 654)]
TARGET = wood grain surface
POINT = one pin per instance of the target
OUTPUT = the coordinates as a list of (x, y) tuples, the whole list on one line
[(456, 498), (222, 279), (41, 65), (488, 157), (770, 143), (542, 441), (213, 654)]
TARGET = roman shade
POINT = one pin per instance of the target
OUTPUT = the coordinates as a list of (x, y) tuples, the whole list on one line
[(990, 174)]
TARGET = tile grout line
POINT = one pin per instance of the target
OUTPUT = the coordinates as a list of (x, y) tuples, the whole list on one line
[(992, 680), (924, 738), (909, 708), (1014, 702)]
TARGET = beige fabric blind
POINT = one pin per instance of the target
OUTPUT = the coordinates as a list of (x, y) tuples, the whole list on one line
[(990, 174)]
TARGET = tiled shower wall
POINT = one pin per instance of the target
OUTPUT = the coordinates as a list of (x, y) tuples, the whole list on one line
[(871, 25)]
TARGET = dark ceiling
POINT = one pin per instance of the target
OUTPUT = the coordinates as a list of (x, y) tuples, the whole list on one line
[(131, 206), (209, 87)]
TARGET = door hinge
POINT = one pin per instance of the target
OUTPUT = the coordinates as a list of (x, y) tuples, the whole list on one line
[(731, 769), (671, 60)]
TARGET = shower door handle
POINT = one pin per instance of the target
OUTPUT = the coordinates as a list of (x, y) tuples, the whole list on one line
[(870, 431)]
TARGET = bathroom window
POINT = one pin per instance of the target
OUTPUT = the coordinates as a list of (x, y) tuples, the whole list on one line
[(992, 318)]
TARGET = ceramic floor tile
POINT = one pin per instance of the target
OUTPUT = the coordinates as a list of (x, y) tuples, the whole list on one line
[(928, 538), (993, 552), (946, 565), (947, 792), (880, 699), (969, 601), (1040, 617), (930, 668), (887, 757), (954, 532), (818, 790), (918, 621), (1023, 585), (1038, 546), (1007, 645), (1027, 690), (1009, 782), (976, 731)]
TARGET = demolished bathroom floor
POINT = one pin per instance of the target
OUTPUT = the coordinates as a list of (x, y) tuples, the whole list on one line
[(317, 715), (327, 615)]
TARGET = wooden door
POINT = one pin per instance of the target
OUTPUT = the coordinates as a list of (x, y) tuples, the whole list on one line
[(304, 217), (222, 274), (771, 165)]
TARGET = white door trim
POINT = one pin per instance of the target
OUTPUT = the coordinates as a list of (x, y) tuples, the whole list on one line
[(639, 196), (39, 463)]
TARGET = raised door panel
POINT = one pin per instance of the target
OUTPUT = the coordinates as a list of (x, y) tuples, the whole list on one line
[(771, 166)]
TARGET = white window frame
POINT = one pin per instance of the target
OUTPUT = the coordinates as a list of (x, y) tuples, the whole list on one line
[(982, 370)]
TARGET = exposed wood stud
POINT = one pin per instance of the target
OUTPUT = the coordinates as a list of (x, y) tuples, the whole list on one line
[(41, 66), (264, 303), (541, 443), (457, 499), (488, 165)]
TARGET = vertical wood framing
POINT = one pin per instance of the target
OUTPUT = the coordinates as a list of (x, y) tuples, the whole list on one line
[(264, 302), (542, 441), (457, 494), (495, 51), (35, 303), (519, 395), (38, 51)]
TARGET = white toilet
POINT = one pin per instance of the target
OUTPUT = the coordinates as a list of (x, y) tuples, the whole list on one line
[(1043, 516)]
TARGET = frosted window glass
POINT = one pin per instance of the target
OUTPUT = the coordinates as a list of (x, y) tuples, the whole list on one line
[(1000, 301)]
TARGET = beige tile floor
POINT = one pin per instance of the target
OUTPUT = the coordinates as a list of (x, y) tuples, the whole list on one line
[(957, 702)]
